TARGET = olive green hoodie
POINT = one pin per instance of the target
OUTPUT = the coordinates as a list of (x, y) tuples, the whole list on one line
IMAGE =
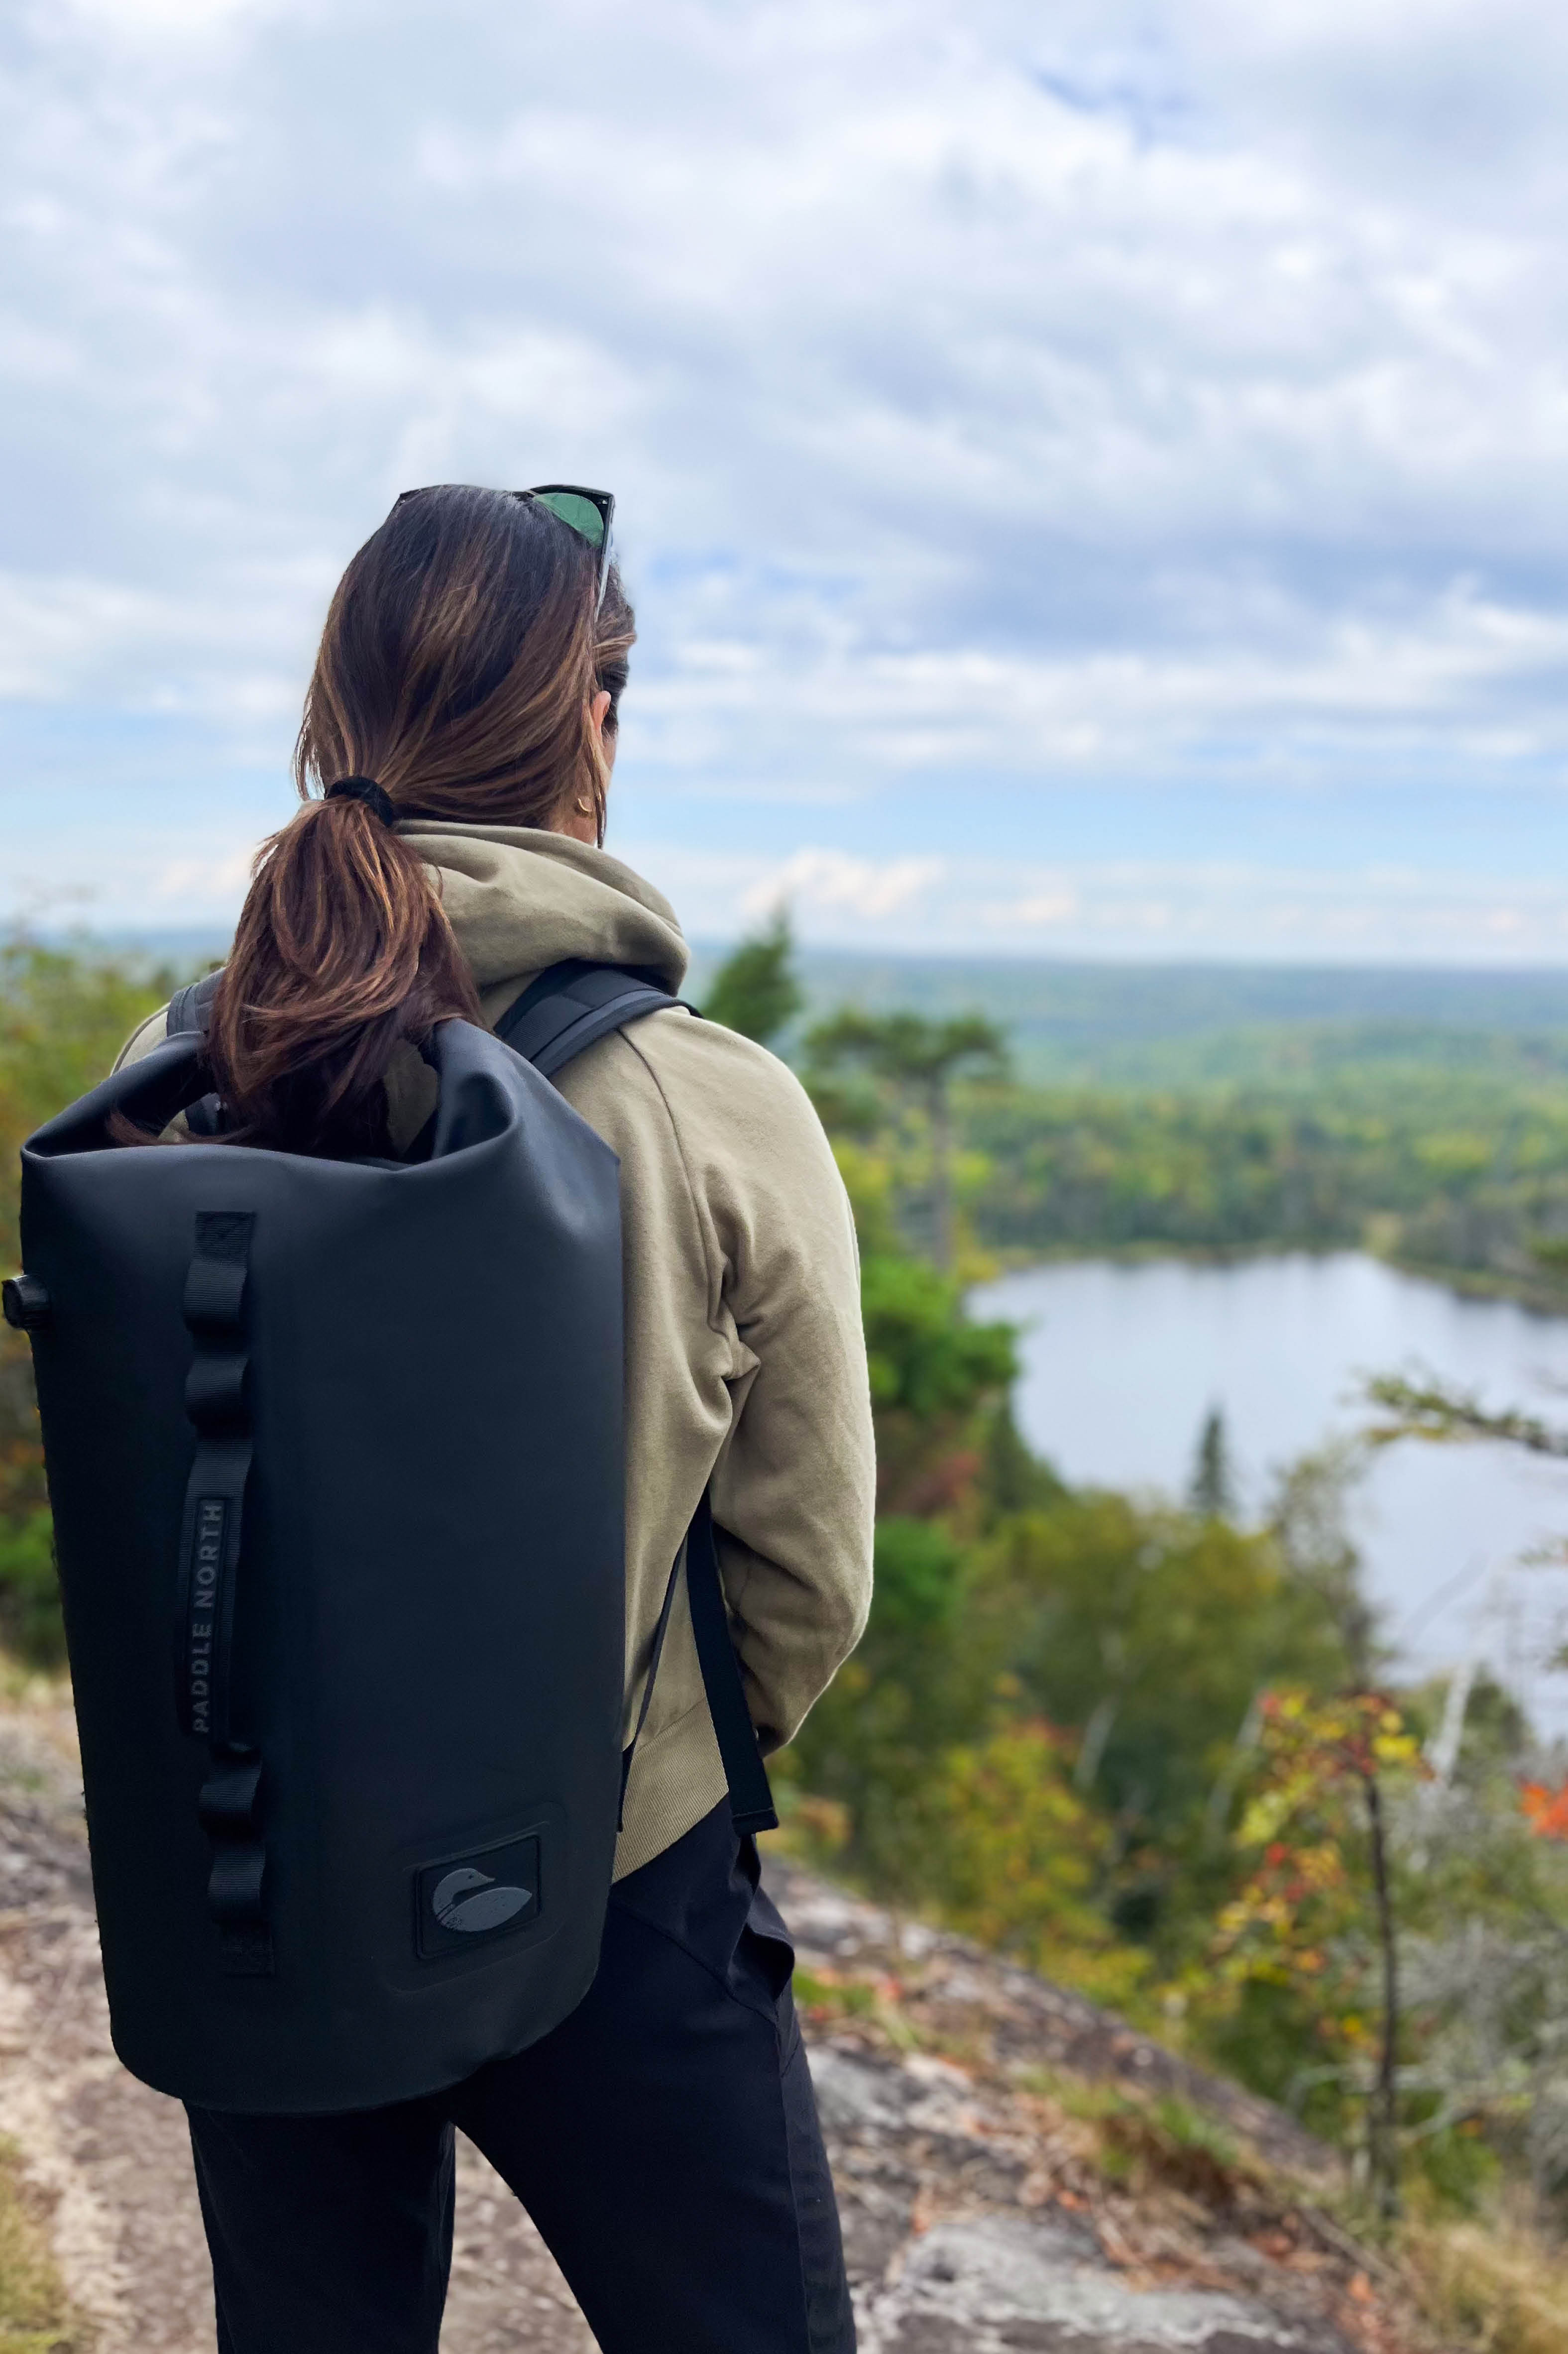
[(745, 1358)]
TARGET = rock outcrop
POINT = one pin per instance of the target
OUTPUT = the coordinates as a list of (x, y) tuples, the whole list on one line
[(1017, 2169)]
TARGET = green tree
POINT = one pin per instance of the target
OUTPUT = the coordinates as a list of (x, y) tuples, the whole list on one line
[(872, 1740), (916, 1059), (1212, 1491), (951, 1798), (934, 1376), (1013, 1479), (756, 990), (1149, 1634), (1317, 1912), (64, 1015), (1309, 1521), (1014, 1854), (30, 1621)]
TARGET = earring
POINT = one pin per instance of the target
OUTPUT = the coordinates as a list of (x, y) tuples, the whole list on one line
[(584, 807)]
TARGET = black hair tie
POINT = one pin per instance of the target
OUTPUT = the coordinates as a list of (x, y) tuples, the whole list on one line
[(376, 799)]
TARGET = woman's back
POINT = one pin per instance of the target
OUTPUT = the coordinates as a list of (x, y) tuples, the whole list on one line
[(453, 765)]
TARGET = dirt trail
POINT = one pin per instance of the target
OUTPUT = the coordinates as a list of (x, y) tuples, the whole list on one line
[(978, 2220)]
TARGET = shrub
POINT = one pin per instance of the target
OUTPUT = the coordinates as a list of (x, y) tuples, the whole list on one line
[(30, 1621)]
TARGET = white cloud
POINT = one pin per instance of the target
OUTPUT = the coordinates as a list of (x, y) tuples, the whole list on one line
[(124, 874), (210, 882), (832, 883), (971, 901), (62, 638), (1471, 676), (1051, 393), (974, 903), (159, 19)]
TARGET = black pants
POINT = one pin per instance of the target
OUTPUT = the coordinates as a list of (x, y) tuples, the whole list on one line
[(664, 2139)]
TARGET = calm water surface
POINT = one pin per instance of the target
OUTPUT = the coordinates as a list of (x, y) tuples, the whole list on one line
[(1122, 1363)]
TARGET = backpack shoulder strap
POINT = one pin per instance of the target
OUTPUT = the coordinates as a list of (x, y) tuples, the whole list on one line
[(565, 1010), (751, 1805), (574, 1003), (190, 1008), (750, 1798)]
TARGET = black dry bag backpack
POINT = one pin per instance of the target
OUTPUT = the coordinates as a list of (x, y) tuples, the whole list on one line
[(335, 1452)]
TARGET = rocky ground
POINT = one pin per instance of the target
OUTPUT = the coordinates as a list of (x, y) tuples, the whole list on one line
[(1017, 2169)]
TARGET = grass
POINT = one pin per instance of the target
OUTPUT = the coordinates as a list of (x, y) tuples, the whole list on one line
[(1491, 2287), (1496, 2286), (1139, 2142), (35, 2311), (1171, 2144), (825, 1997)]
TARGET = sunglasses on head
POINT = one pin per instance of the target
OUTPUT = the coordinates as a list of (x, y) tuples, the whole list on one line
[(587, 513)]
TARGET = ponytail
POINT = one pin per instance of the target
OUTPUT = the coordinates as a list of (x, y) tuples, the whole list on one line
[(460, 657), (343, 954)]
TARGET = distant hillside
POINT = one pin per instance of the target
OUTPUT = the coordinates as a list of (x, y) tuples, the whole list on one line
[(1183, 1024), (1160, 1025)]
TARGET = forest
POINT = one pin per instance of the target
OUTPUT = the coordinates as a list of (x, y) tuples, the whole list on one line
[(1134, 1111), (1159, 1755), (1460, 1170)]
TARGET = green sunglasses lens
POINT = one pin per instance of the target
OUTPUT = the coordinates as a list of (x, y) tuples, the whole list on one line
[(581, 514)]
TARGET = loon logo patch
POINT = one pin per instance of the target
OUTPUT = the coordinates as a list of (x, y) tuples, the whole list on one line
[(470, 1901), (489, 1893)]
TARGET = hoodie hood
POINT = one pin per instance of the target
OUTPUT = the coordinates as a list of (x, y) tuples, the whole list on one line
[(520, 898)]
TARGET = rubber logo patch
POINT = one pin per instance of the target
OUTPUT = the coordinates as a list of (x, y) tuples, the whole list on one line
[(463, 1902), (469, 1901)]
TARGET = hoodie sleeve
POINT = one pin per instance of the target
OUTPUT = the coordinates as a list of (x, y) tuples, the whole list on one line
[(144, 1039), (793, 1488)]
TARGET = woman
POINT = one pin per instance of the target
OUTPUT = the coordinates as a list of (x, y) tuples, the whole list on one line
[(665, 2138)]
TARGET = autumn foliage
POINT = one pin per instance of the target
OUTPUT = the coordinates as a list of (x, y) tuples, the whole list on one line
[(1544, 1809)]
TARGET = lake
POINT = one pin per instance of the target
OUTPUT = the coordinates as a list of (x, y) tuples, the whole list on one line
[(1123, 1362)]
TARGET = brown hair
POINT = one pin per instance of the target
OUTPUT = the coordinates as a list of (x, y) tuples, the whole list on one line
[(460, 658)]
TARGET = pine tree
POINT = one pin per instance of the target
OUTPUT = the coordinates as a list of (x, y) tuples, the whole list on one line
[(1212, 1492), (756, 990), (922, 1058)]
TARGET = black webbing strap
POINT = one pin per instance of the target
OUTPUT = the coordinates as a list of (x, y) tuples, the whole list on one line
[(750, 1799), (656, 1654), (571, 1006), (217, 1402), (189, 1007)]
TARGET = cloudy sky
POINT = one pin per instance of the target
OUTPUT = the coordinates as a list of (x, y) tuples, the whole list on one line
[(1093, 477)]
